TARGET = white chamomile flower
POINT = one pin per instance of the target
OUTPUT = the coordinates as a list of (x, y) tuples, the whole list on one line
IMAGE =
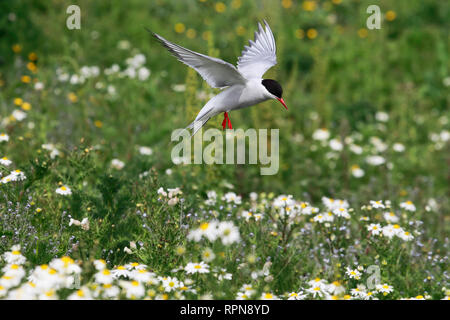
[(100, 264), (268, 296), (357, 172), (196, 268), (374, 228), (321, 134), (384, 288), (316, 291), (377, 204), (231, 197), (104, 277), (405, 236), (228, 232), (146, 151), (133, 289), (5, 161), (117, 164), (207, 229), (353, 273), (14, 256), (4, 137), (341, 212), (64, 190), (170, 284), (389, 231), (408, 206), (390, 217), (120, 271), (208, 255), (296, 296)]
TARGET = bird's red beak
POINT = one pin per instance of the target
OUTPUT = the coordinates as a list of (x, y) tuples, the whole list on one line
[(282, 102)]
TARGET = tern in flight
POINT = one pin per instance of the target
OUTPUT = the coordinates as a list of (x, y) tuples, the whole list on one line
[(242, 86)]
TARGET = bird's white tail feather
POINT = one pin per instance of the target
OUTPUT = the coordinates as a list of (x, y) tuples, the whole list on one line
[(197, 125)]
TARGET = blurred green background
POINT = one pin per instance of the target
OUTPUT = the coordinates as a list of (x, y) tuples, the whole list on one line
[(336, 74)]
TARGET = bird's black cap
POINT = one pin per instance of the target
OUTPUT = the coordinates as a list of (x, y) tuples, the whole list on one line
[(273, 87)]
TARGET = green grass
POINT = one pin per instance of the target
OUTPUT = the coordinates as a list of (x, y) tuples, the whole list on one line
[(339, 80)]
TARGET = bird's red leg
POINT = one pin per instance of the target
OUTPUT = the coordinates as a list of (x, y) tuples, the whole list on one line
[(229, 123), (225, 118)]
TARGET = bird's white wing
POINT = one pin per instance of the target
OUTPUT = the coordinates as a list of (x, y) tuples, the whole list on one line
[(257, 58), (216, 72)]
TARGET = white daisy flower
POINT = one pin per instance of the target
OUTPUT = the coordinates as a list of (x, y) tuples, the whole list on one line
[(353, 273), (375, 160), (196, 268), (268, 296), (384, 288), (117, 164), (64, 190), (104, 277), (405, 236), (170, 284), (321, 134), (390, 217), (4, 137), (120, 271), (231, 197), (206, 229), (357, 172), (146, 151), (5, 161), (228, 232), (408, 206), (374, 228), (377, 204)]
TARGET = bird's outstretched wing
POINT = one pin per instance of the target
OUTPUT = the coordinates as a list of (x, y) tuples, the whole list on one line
[(216, 72), (257, 58)]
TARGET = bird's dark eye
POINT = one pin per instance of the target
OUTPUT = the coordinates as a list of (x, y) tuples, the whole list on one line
[(273, 87)]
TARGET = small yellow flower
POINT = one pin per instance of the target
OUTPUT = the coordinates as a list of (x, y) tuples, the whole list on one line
[(191, 33), (180, 27), (72, 97), (31, 66), (26, 106), (390, 15), (336, 1), (362, 33), (236, 4), (206, 35), (180, 250), (311, 33), (309, 5), (38, 210), (299, 33), (16, 48), (220, 7), (98, 123), (26, 79), (286, 4), (32, 56), (18, 101), (240, 30)]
